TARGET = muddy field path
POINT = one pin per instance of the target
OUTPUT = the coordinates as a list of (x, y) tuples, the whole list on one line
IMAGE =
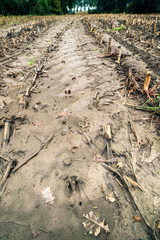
[(61, 135)]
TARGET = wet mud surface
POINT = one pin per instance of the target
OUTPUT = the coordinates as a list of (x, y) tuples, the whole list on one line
[(57, 140)]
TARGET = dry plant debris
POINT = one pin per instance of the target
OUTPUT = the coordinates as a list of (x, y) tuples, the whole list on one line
[(137, 219), (110, 198), (73, 149), (94, 225)]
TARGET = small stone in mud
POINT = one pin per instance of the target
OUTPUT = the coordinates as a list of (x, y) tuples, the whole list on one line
[(67, 162)]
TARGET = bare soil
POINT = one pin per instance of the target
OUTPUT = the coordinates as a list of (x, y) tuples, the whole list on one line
[(77, 93)]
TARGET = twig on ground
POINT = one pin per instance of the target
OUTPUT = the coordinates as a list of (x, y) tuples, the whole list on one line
[(6, 173), (32, 155)]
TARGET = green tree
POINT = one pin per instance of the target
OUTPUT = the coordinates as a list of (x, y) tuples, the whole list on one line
[(106, 6), (55, 6), (67, 5), (8, 7)]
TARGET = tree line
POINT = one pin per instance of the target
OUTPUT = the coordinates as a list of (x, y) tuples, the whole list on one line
[(44, 7), (128, 6), (26, 7)]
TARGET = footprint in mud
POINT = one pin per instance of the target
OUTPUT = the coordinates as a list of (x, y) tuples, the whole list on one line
[(74, 184), (67, 93)]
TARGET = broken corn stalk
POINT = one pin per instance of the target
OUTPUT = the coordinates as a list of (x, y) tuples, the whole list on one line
[(147, 82), (119, 56), (112, 50), (6, 174), (109, 44), (108, 131), (129, 72), (22, 103), (6, 133)]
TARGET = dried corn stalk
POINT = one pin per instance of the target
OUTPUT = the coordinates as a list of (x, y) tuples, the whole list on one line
[(6, 174), (129, 73), (92, 224), (112, 50), (147, 82), (130, 181), (119, 56), (109, 44), (107, 131), (22, 103), (6, 133)]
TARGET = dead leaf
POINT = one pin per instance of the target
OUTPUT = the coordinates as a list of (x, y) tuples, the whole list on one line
[(47, 194), (98, 158), (110, 198), (37, 123), (97, 231), (93, 225), (105, 227), (35, 234), (74, 148), (159, 225), (2, 105), (137, 219)]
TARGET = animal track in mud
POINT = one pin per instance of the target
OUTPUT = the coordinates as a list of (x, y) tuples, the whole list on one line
[(73, 184)]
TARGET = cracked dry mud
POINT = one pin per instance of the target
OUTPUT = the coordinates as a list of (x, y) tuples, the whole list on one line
[(66, 108)]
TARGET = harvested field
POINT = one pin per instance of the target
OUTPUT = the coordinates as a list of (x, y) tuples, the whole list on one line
[(80, 127)]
